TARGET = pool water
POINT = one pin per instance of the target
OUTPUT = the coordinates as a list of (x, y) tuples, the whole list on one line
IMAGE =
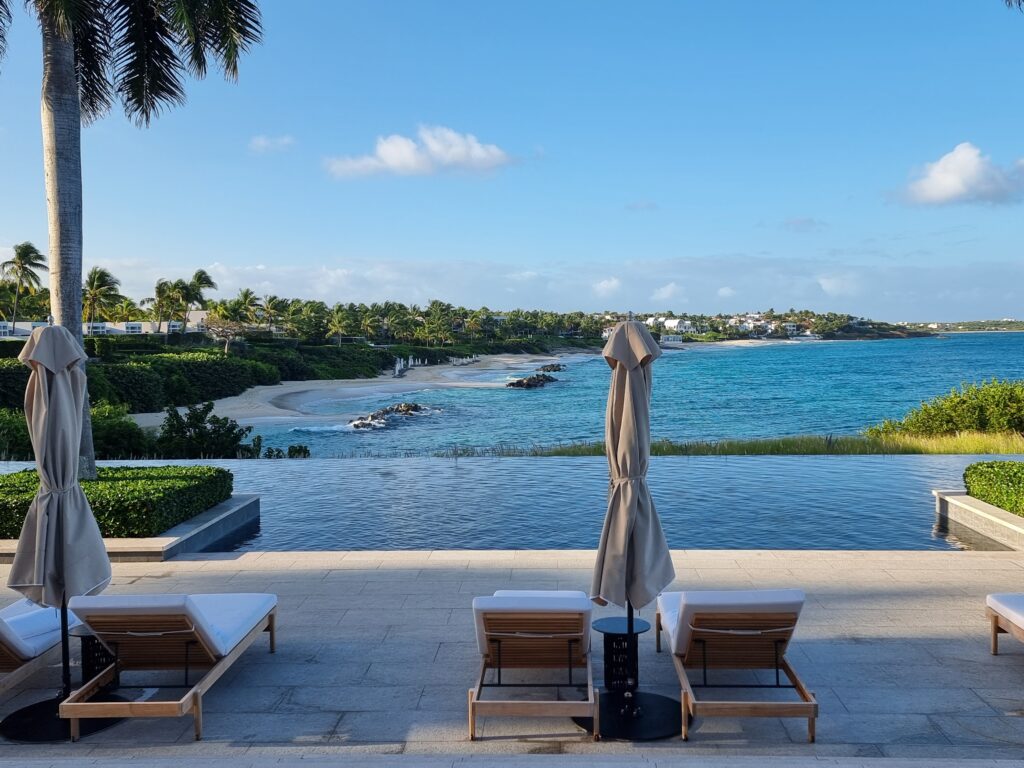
[(708, 502)]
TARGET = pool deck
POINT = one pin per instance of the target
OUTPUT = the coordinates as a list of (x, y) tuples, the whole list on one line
[(376, 651)]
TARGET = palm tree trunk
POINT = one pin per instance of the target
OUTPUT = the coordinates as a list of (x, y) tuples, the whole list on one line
[(61, 119), (14, 315)]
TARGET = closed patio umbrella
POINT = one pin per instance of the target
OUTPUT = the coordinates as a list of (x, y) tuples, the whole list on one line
[(633, 560), (60, 552)]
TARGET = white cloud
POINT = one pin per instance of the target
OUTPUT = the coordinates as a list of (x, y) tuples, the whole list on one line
[(847, 284), (523, 276), (890, 291), (608, 286), (725, 292), (665, 292), (263, 144), (964, 175), (436, 148)]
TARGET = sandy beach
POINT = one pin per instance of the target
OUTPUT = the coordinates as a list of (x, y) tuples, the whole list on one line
[(286, 400)]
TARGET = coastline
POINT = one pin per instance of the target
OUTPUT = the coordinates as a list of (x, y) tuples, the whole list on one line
[(286, 400), (282, 401)]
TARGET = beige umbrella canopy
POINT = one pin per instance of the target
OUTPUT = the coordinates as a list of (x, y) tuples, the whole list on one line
[(60, 552), (633, 559)]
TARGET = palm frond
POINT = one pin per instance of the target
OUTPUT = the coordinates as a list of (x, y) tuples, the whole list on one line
[(147, 70), (190, 19), (92, 58), (232, 26), (5, 23), (1018, 4)]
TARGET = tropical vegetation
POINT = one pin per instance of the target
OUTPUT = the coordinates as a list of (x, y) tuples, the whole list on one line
[(992, 407), (1000, 483), (21, 273)]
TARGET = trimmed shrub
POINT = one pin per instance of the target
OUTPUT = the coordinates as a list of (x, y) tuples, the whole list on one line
[(127, 501), (10, 348), (13, 380), (994, 406), (197, 434), (1000, 483), (114, 434)]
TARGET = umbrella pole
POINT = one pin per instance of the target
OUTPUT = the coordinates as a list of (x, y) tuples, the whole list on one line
[(65, 649)]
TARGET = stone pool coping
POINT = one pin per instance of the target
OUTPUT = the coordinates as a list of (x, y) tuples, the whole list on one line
[(200, 533), (376, 651), (987, 519)]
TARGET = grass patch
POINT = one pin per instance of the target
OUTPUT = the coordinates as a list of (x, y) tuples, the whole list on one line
[(811, 445), (131, 502)]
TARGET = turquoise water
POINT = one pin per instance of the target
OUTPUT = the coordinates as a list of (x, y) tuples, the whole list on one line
[(703, 392)]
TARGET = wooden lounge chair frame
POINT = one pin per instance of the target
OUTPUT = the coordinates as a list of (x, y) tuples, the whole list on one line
[(16, 668), (542, 640), (146, 642), (739, 641), (1002, 626)]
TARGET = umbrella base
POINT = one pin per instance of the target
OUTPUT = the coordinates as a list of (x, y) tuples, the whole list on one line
[(39, 723), (640, 717)]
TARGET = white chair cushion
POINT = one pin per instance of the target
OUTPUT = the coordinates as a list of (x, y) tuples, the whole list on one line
[(1009, 605), (528, 601), (28, 629), (220, 620), (678, 608), (226, 619)]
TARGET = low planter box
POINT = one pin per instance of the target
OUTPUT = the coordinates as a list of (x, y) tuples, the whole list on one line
[(223, 523), (990, 521)]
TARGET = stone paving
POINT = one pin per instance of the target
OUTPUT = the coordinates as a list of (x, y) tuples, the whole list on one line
[(376, 652)]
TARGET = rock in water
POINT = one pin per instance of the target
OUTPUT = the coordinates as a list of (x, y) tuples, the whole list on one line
[(532, 382), (551, 368), (379, 418)]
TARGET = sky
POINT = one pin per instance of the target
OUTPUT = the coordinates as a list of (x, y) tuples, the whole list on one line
[(688, 156)]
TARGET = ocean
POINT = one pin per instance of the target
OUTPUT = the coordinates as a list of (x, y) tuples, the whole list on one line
[(702, 392)]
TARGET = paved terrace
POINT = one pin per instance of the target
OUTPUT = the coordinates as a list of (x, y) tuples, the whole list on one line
[(376, 652)]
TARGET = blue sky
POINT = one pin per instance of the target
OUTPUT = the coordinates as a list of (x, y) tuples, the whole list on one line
[(693, 156)]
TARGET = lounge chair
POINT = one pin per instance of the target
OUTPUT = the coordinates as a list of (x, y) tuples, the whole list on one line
[(167, 632), (1005, 613), (518, 629), (27, 632), (742, 630)]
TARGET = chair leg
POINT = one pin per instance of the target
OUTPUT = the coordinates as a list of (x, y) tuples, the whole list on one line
[(75, 731), (657, 632), (684, 697), (272, 628), (995, 634), (810, 730), (197, 715), (472, 714), (597, 715)]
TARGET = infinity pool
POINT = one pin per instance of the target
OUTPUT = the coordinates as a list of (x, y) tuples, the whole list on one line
[(750, 502)]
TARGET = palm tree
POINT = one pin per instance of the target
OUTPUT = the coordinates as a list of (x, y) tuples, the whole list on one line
[(124, 311), (273, 307), (100, 294), (249, 306), (194, 297), (22, 269), (161, 302), (93, 50)]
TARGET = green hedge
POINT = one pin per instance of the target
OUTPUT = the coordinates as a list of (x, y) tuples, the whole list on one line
[(1000, 483), (13, 380), (993, 406), (131, 502)]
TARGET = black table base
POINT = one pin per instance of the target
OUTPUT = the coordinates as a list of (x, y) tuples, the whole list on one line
[(39, 723), (639, 716)]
